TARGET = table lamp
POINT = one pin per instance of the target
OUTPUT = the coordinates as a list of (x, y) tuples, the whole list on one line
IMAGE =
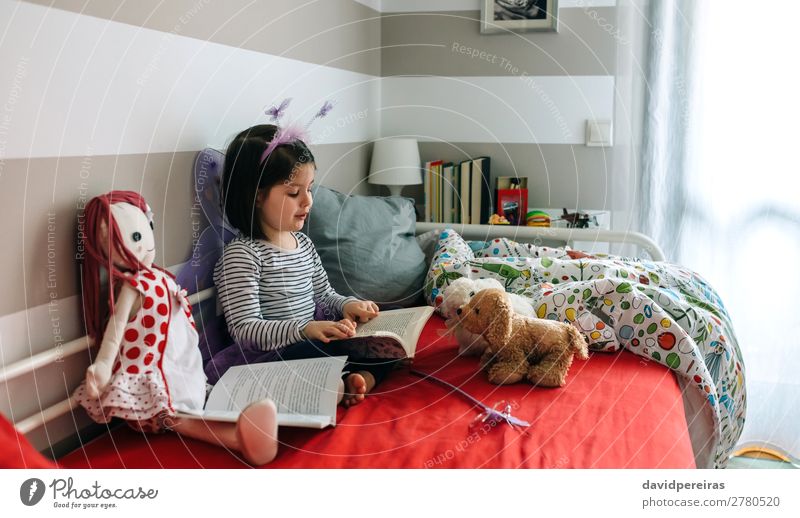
[(395, 163)]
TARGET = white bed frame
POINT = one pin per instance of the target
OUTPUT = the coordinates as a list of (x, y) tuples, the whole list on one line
[(537, 235), (55, 429)]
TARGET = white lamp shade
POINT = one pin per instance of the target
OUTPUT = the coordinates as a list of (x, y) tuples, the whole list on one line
[(395, 161)]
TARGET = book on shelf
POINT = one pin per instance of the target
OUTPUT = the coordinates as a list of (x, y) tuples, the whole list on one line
[(466, 183), (437, 183), (459, 192), (427, 191), (435, 191), (456, 193), (481, 206), (306, 391), (437, 172), (432, 191), (447, 192)]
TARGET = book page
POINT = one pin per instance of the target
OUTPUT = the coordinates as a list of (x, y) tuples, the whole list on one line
[(403, 324), (231, 416), (394, 321), (303, 390)]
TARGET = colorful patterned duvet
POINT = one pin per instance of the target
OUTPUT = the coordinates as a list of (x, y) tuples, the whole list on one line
[(656, 310)]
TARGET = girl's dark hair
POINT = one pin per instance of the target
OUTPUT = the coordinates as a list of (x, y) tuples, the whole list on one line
[(244, 175)]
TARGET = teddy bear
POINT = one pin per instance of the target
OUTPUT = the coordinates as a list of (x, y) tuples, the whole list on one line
[(521, 347), (458, 293)]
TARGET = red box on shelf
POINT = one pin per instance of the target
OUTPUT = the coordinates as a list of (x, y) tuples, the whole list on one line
[(513, 204)]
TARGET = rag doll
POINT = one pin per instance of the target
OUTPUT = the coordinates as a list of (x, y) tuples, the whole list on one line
[(149, 366)]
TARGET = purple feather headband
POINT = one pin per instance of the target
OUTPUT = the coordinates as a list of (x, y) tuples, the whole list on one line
[(290, 132)]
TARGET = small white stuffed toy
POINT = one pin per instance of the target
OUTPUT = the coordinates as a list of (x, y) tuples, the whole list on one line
[(459, 292)]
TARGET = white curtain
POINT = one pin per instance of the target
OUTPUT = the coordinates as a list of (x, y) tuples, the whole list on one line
[(720, 182)]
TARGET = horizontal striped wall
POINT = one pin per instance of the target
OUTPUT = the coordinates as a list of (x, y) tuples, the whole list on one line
[(118, 94), (113, 94), (105, 95), (450, 44), (339, 33), (94, 86), (534, 109), (97, 103), (43, 196), (127, 93), (521, 98)]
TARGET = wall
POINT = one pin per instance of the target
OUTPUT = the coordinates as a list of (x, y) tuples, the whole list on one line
[(110, 94), (123, 94), (522, 98)]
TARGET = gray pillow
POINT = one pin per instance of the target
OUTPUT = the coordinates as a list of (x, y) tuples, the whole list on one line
[(367, 246)]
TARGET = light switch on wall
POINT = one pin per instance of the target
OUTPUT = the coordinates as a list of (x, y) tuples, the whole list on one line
[(598, 133)]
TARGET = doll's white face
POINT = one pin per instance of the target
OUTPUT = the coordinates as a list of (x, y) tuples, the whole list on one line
[(136, 232)]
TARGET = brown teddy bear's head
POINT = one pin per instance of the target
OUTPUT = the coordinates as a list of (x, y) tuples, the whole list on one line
[(488, 313)]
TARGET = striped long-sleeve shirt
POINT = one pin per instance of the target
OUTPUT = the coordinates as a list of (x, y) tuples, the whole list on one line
[(268, 294)]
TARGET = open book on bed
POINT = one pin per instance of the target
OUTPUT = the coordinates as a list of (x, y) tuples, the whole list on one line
[(392, 334), (306, 392)]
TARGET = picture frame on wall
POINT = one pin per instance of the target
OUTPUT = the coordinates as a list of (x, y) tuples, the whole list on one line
[(498, 16)]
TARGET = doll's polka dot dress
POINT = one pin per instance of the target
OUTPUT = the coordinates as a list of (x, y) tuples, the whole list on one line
[(159, 368)]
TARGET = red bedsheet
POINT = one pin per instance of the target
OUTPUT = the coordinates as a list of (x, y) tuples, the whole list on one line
[(616, 411)]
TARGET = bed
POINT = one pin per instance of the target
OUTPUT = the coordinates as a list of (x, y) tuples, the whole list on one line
[(619, 409), (615, 412)]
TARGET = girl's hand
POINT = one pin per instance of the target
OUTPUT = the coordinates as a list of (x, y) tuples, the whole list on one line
[(326, 330), (349, 323), (361, 311)]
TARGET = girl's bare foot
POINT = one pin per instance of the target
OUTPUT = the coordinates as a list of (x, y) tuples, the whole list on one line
[(340, 389), (357, 385)]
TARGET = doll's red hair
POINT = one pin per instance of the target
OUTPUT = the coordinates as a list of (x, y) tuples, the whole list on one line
[(99, 253)]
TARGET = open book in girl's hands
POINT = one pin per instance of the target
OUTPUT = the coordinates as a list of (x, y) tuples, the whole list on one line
[(305, 392), (392, 334)]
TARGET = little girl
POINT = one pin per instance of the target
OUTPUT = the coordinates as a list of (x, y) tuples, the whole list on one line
[(270, 278)]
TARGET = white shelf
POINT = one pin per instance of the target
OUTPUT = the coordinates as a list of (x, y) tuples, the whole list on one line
[(603, 218)]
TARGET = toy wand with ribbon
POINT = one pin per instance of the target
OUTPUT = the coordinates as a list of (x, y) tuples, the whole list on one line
[(489, 414)]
